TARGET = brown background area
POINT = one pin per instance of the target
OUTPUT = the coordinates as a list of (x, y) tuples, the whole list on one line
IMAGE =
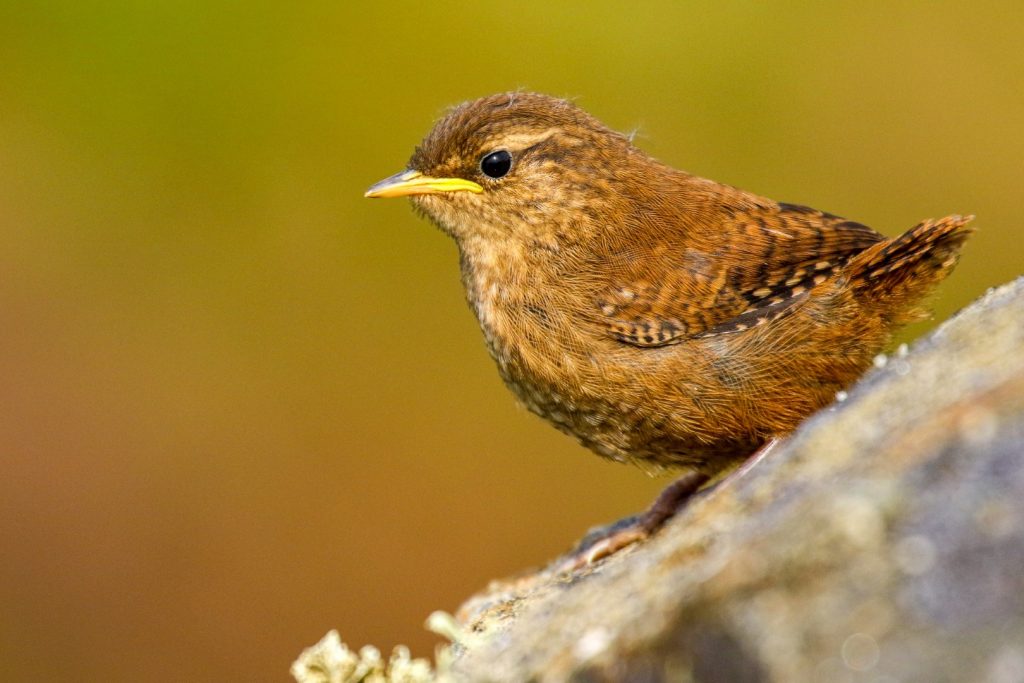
[(240, 405)]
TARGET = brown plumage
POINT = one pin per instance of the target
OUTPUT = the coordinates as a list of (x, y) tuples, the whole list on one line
[(660, 318)]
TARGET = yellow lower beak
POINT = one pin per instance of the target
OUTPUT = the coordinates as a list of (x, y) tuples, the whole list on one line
[(413, 182)]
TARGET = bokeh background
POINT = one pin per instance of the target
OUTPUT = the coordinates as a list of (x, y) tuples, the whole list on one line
[(240, 405)]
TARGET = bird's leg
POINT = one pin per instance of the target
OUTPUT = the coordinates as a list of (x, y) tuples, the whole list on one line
[(756, 457), (611, 539)]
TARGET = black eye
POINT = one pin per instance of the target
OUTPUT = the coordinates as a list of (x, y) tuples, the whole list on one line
[(496, 164)]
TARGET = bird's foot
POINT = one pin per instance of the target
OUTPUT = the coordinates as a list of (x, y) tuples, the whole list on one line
[(606, 541), (609, 540)]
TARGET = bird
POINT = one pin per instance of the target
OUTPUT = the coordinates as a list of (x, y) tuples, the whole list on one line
[(660, 318)]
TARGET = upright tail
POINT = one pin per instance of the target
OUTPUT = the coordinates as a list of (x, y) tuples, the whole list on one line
[(895, 274)]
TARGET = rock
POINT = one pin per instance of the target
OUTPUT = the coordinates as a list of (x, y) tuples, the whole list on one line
[(884, 541)]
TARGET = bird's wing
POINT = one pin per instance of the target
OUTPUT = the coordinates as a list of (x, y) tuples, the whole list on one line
[(756, 272)]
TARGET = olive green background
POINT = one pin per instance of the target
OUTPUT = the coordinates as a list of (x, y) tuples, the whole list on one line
[(241, 405)]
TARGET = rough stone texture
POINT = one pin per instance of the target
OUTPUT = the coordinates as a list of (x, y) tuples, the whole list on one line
[(883, 542)]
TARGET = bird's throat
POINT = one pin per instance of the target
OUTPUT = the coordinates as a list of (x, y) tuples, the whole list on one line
[(490, 271), (524, 322)]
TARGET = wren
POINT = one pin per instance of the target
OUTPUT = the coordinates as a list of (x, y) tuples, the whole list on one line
[(660, 318)]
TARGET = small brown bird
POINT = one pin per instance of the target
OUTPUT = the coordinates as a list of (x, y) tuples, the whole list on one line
[(660, 318)]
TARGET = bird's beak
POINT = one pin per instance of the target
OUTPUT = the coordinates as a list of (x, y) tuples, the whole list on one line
[(413, 182)]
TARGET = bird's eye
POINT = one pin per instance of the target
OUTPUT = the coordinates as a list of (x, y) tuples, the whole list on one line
[(496, 164)]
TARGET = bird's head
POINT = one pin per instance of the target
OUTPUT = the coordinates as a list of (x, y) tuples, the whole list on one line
[(519, 166)]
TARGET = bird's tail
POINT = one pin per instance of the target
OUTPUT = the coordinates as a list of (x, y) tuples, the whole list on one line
[(897, 273)]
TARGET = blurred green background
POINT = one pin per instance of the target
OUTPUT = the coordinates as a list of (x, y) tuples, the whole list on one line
[(241, 405)]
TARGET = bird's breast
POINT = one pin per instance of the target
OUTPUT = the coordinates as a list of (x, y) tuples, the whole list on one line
[(532, 328)]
